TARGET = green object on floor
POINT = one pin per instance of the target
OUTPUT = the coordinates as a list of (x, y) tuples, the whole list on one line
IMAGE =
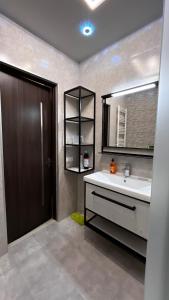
[(78, 218)]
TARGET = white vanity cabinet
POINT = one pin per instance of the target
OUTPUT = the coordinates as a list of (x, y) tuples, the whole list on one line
[(130, 213), (119, 208)]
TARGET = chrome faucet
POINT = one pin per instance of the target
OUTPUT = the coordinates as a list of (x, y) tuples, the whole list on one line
[(127, 170)]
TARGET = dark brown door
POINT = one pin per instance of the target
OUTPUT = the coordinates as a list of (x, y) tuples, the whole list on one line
[(26, 125)]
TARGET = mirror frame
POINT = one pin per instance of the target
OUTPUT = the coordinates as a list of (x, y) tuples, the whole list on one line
[(122, 150)]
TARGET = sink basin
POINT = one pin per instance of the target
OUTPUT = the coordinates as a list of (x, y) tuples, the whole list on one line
[(131, 186)]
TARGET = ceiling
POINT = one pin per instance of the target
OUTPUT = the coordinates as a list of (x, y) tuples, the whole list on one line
[(57, 21)]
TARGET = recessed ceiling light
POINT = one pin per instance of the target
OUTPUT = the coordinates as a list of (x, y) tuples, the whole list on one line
[(93, 4), (87, 28)]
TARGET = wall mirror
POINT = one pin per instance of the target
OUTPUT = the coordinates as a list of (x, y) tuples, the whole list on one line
[(129, 119)]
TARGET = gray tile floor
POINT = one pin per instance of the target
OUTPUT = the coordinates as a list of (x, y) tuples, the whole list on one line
[(64, 261)]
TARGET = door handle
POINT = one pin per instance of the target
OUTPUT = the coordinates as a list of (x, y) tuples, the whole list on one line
[(42, 153), (49, 162)]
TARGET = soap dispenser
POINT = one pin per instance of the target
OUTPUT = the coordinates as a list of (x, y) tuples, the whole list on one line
[(113, 167)]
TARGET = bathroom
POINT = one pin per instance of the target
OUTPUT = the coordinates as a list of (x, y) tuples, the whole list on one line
[(61, 259)]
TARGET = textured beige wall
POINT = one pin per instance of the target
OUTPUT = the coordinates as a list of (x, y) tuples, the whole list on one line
[(141, 118), (20, 48), (132, 61)]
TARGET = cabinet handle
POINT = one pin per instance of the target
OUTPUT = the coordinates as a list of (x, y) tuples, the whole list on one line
[(133, 208)]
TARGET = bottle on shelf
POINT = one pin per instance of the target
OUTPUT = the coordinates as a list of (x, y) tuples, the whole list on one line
[(127, 170), (113, 167), (81, 161), (86, 160)]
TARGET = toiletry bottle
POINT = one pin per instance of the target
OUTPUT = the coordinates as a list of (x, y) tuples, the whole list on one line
[(81, 161), (113, 167), (127, 170), (86, 160)]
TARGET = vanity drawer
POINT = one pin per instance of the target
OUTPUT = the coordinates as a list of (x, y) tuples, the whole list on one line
[(125, 211)]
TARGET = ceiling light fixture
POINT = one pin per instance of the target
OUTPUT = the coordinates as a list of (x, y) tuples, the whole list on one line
[(87, 28), (93, 4), (135, 90)]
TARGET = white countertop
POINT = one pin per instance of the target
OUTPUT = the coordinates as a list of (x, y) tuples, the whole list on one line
[(133, 186)]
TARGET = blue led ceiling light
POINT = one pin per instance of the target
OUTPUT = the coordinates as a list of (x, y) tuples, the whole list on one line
[(87, 28), (116, 59)]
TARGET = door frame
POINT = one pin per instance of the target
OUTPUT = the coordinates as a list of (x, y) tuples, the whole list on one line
[(19, 73)]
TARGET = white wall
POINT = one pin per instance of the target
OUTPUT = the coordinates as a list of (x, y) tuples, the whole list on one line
[(157, 268)]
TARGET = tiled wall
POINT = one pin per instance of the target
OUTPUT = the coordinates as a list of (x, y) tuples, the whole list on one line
[(141, 118), (134, 60)]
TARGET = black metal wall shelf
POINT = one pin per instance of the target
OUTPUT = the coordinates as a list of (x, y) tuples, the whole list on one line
[(79, 128)]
